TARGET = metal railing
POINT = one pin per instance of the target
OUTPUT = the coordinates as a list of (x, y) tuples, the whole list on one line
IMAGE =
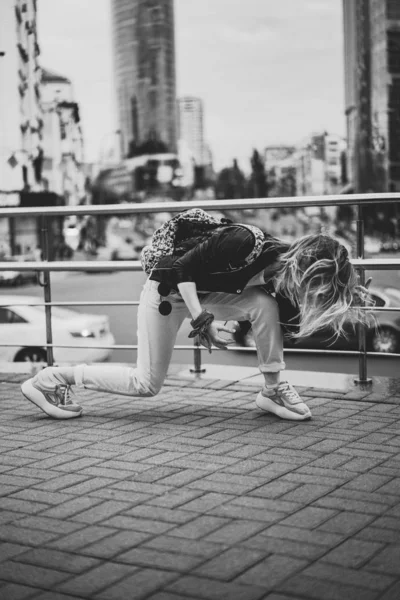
[(46, 266)]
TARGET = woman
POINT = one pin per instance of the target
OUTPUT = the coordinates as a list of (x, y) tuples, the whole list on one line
[(218, 270)]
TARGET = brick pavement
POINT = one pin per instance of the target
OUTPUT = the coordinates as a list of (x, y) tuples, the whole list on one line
[(195, 494)]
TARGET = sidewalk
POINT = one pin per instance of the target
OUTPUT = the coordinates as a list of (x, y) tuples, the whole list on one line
[(196, 494)]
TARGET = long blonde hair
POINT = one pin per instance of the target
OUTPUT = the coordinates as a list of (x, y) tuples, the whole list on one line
[(316, 274)]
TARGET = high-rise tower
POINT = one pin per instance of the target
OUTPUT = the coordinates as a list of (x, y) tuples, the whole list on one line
[(145, 80), (190, 126), (372, 93)]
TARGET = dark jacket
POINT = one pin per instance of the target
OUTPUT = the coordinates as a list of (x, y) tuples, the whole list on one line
[(217, 263)]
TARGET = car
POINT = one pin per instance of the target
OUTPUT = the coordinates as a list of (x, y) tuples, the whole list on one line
[(24, 326), (384, 338), (15, 278), (122, 248), (390, 245)]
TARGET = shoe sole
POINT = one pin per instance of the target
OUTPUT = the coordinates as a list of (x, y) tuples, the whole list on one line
[(37, 398), (268, 405)]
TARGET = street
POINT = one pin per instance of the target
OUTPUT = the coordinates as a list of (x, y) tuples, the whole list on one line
[(127, 286)]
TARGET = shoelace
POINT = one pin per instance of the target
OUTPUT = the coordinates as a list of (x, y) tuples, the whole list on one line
[(290, 393), (66, 393)]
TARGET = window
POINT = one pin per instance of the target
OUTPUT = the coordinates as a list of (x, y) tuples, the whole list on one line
[(379, 302), (8, 317), (59, 312)]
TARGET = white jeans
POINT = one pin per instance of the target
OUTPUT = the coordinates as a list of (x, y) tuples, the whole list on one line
[(157, 335)]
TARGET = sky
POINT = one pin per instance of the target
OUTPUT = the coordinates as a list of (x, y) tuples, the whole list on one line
[(268, 71)]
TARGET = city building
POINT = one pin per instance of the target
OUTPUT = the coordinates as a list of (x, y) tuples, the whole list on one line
[(278, 166), (372, 93), (20, 108), (21, 122), (191, 127), (319, 165), (63, 149), (145, 79)]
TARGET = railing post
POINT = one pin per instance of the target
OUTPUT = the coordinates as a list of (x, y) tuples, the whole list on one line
[(361, 328), (197, 358), (47, 290)]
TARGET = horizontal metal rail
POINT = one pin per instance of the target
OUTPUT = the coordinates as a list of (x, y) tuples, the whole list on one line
[(172, 206), (46, 267), (370, 264), (324, 351), (87, 303)]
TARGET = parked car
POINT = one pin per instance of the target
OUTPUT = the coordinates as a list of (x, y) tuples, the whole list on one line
[(390, 245), (24, 327), (384, 338), (15, 278), (122, 248)]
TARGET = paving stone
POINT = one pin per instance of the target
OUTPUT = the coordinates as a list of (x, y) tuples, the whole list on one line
[(145, 525), (180, 545), (274, 489), (346, 522), (236, 531), (151, 558), (353, 553), (307, 587), (10, 550), (23, 535), (137, 586), (314, 536), (386, 561), (110, 546), (271, 571), (60, 561), (83, 537), (198, 527), (14, 591), (230, 564), (101, 512), (273, 545), (206, 589), (71, 507), (31, 575), (309, 517), (347, 576), (90, 582)]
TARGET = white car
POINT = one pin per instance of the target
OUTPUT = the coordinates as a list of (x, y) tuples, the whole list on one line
[(25, 328)]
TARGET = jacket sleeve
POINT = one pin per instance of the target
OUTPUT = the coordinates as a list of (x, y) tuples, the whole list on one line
[(217, 253)]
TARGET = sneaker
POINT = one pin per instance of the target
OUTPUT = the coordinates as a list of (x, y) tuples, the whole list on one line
[(54, 401), (284, 402)]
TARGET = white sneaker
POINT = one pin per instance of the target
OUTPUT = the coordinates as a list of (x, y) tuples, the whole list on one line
[(54, 400), (284, 402)]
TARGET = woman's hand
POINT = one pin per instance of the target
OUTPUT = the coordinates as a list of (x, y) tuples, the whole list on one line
[(362, 293), (212, 336)]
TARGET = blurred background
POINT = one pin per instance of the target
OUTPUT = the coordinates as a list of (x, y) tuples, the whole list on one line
[(135, 101)]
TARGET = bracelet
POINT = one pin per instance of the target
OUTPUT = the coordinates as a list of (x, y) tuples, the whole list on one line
[(201, 323), (204, 316)]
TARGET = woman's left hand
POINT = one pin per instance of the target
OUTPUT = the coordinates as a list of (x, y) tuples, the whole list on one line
[(363, 292), (212, 336)]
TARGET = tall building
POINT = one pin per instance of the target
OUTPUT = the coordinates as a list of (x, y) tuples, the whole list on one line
[(372, 93), (63, 163), (145, 79), (20, 109), (191, 128), (21, 123), (318, 165)]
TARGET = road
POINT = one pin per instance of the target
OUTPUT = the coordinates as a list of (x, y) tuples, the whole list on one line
[(127, 286)]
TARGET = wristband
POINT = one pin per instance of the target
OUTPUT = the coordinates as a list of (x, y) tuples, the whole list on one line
[(201, 323)]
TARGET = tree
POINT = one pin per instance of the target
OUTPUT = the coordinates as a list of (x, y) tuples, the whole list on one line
[(258, 180), (231, 183)]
